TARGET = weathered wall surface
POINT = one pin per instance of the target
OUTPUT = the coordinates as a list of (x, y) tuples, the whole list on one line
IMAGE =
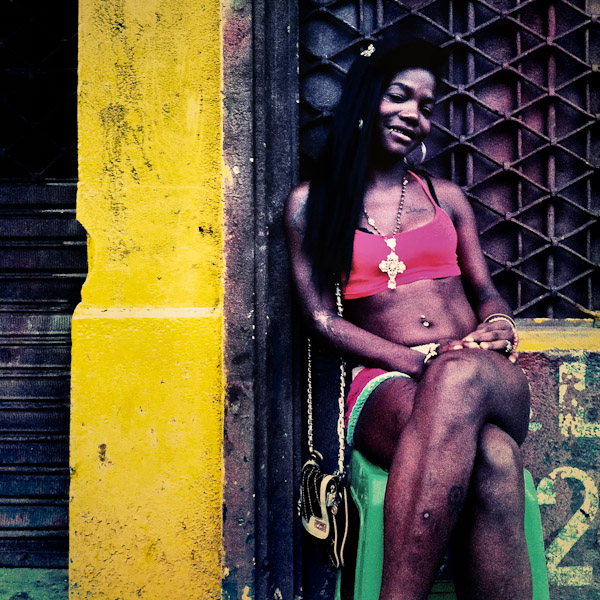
[(562, 361), (239, 522), (147, 379), (262, 554)]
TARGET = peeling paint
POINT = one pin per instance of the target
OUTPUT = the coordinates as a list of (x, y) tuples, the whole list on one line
[(572, 417), (562, 454), (102, 454), (578, 524), (246, 593)]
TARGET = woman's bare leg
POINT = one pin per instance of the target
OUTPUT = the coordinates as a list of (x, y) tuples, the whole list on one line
[(490, 552), (432, 459)]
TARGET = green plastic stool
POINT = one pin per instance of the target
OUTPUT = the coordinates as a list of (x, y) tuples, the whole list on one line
[(367, 486)]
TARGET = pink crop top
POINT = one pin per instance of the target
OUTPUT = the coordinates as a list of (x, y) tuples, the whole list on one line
[(429, 252)]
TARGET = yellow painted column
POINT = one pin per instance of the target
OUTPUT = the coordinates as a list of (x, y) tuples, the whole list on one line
[(147, 379)]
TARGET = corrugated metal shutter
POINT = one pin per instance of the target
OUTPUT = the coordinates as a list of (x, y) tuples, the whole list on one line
[(42, 267)]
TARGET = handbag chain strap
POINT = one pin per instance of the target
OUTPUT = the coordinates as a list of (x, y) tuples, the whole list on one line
[(341, 397)]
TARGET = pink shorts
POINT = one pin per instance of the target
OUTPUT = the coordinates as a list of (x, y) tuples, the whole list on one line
[(363, 384), (364, 381)]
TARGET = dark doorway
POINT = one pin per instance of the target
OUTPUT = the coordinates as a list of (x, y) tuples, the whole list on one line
[(42, 268)]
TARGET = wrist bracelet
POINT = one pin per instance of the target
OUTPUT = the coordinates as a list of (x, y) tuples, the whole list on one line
[(500, 317)]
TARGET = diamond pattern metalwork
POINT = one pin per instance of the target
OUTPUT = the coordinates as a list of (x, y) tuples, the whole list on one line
[(513, 126)]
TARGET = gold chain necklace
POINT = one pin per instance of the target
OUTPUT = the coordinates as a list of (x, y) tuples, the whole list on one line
[(391, 266)]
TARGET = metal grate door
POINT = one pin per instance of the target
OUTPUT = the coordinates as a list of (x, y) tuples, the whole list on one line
[(42, 267), (513, 126)]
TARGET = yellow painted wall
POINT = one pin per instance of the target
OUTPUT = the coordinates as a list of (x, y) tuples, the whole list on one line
[(147, 380), (538, 335)]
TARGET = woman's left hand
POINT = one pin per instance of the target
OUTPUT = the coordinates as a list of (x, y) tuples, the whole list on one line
[(498, 336)]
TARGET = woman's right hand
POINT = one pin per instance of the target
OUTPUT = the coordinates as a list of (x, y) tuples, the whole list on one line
[(498, 335), (484, 338)]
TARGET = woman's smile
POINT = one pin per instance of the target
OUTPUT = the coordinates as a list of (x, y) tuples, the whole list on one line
[(405, 111), (402, 134)]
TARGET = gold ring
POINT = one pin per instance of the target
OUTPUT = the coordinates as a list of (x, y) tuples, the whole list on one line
[(509, 347)]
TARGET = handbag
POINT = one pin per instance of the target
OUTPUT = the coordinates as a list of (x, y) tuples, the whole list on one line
[(323, 503)]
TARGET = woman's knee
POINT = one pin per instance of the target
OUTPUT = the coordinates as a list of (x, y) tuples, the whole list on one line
[(458, 385), (478, 386), (498, 453)]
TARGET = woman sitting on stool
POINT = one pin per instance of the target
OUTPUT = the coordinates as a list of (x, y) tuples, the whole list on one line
[(437, 398)]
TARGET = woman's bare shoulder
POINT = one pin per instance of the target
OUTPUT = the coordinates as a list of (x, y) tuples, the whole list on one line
[(447, 188), (451, 196), (295, 206)]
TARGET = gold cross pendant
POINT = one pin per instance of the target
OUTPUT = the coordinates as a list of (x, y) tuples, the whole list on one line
[(391, 265)]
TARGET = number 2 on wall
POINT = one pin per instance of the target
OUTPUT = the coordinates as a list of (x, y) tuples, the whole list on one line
[(577, 525)]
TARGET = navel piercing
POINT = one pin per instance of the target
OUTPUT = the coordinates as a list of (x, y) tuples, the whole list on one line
[(425, 322)]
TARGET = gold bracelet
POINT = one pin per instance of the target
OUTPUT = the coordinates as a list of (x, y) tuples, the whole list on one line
[(500, 317)]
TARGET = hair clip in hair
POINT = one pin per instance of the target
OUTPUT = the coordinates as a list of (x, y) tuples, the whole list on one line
[(369, 51)]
